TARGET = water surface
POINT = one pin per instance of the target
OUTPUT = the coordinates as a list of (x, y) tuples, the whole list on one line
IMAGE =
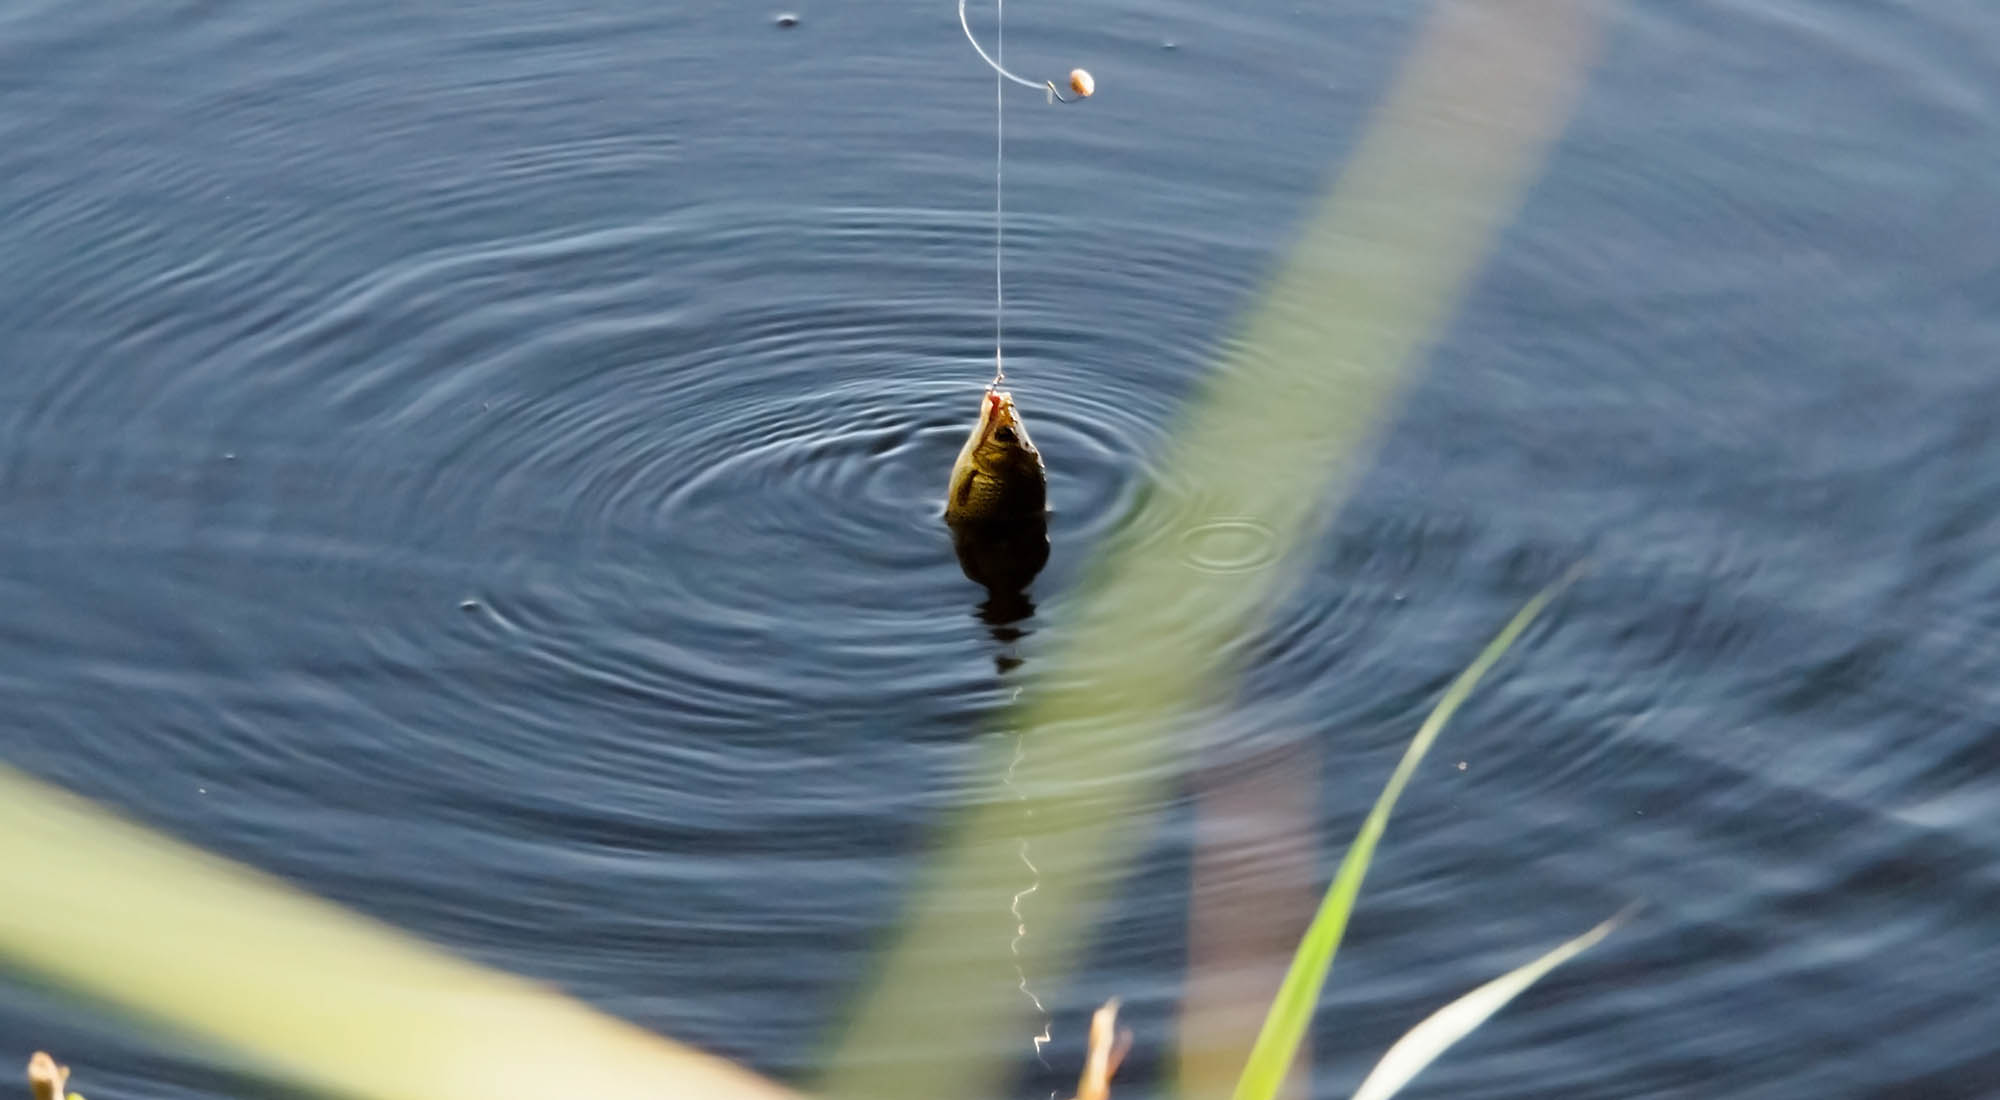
[(481, 462)]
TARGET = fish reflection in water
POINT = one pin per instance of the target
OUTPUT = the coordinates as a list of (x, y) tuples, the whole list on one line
[(1004, 558), (997, 509)]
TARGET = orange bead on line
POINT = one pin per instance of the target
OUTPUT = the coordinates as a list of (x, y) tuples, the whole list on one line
[(1081, 83)]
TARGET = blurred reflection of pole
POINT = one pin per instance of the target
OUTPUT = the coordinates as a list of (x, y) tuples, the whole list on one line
[(1255, 887)]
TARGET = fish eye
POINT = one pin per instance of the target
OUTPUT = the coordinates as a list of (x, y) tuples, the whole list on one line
[(1004, 435)]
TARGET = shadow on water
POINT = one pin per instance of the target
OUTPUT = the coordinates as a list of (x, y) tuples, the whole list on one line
[(1004, 558)]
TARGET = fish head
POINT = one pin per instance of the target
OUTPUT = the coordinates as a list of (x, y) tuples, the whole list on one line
[(999, 445), (999, 473)]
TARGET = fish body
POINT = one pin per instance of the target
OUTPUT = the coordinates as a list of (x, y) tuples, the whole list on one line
[(997, 502), (998, 477)]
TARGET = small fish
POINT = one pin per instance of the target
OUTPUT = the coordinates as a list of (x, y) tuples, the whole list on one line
[(997, 503), (998, 477)]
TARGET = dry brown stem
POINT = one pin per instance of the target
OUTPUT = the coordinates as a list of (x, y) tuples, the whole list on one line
[(1107, 1050), (45, 1077)]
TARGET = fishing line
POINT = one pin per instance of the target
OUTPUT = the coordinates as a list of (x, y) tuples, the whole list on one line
[(1081, 83), (999, 187), (1079, 80), (1014, 907)]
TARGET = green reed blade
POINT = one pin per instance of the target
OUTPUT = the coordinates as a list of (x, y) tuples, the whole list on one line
[(1291, 1012)]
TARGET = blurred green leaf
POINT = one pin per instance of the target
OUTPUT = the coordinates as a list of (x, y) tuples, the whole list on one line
[(321, 996)]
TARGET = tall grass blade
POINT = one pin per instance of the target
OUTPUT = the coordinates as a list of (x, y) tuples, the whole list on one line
[(1285, 1025), (1424, 1042)]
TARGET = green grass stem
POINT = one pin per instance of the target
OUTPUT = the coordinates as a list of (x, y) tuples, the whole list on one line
[(1291, 1012)]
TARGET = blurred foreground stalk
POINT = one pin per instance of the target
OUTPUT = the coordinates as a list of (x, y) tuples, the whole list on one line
[(311, 992), (1273, 445)]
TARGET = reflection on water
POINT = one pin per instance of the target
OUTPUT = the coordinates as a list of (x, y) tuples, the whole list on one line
[(1003, 557), (1003, 612)]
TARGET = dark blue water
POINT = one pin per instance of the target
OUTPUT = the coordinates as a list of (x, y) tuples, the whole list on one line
[(652, 329)]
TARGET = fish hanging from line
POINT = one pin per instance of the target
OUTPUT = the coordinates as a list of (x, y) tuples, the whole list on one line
[(999, 475), (996, 503)]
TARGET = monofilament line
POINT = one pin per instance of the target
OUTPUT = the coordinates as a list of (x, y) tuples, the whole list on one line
[(1081, 83), (999, 167), (1041, 86), (1014, 907)]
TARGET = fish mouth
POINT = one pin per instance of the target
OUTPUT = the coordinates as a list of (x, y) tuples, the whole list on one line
[(995, 414)]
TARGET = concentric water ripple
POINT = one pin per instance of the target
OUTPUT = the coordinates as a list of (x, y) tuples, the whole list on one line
[(765, 474), (652, 459)]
